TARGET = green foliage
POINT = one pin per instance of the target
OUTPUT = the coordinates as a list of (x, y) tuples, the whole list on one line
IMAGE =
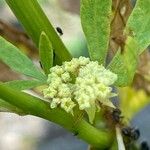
[(45, 53), (138, 27), (138, 24), (124, 64), (95, 19), (7, 107), (24, 84), (35, 22), (17, 61)]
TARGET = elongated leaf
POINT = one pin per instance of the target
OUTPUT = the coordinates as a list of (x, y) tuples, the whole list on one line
[(17, 61), (125, 64), (95, 19), (46, 53), (139, 24), (23, 84)]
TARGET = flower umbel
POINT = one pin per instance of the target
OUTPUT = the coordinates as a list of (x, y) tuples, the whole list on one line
[(80, 83)]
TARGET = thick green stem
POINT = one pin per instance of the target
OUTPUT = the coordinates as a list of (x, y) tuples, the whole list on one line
[(33, 19), (37, 107)]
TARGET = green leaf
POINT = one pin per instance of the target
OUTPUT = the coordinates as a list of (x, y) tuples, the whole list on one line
[(17, 61), (23, 84), (31, 16), (125, 64), (6, 107), (139, 24), (46, 53), (95, 19)]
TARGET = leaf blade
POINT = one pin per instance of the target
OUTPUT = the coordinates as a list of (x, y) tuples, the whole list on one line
[(34, 20), (124, 65), (23, 84), (95, 20), (138, 24), (46, 53), (17, 61)]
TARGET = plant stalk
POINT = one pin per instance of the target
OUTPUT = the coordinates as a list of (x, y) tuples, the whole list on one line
[(37, 107)]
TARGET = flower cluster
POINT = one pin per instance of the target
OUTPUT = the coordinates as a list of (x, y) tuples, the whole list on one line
[(81, 83)]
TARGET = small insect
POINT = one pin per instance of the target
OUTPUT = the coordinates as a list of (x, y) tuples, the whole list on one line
[(135, 134), (126, 131), (59, 30), (132, 133), (116, 115), (144, 146), (40, 64)]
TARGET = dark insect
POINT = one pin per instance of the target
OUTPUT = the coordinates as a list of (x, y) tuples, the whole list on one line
[(40, 64), (135, 134), (116, 115), (59, 30), (126, 131), (144, 146), (132, 133)]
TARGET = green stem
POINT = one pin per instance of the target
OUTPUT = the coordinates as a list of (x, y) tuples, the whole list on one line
[(37, 107), (33, 19), (114, 145)]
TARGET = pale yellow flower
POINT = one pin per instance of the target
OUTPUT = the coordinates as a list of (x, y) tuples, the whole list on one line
[(81, 83)]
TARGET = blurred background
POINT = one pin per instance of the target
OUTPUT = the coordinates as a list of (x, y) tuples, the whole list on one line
[(28, 132)]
